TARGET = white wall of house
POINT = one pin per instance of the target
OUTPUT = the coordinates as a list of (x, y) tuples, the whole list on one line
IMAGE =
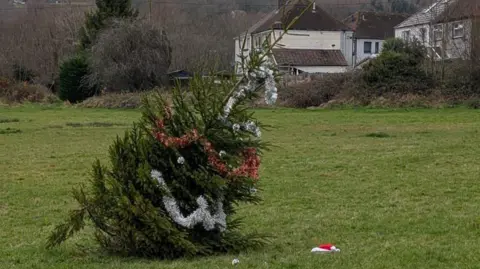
[(242, 42), (455, 42), (298, 39), (422, 33), (322, 69), (455, 38), (367, 48)]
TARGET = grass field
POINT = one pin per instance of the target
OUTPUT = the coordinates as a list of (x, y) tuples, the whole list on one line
[(392, 189)]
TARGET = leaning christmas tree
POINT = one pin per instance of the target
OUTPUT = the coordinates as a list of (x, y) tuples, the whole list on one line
[(176, 177)]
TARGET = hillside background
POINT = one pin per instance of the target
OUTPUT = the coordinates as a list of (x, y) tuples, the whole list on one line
[(41, 33)]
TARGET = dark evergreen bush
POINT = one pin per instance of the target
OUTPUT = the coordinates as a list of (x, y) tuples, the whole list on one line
[(73, 86)]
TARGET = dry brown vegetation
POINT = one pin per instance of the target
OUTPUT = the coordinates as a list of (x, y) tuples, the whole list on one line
[(115, 100), (19, 92)]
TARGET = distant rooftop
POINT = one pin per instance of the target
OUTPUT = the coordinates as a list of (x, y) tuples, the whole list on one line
[(315, 19), (374, 25), (426, 15), (309, 57)]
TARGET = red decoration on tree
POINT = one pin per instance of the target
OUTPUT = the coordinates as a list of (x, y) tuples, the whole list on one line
[(248, 168), (250, 165), (176, 142)]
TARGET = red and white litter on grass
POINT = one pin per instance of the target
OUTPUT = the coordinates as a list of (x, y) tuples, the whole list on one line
[(325, 248)]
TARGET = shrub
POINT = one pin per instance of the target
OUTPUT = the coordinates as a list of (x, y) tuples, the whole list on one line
[(395, 72), (73, 86), (21, 73), (318, 91), (414, 49), (23, 92), (473, 103), (463, 79), (393, 44), (130, 56), (118, 100), (4, 83)]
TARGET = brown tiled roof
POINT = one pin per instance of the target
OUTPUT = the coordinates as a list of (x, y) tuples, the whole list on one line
[(374, 25), (459, 10), (315, 20), (309, 57)]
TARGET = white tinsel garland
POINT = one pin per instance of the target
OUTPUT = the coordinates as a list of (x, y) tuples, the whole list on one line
[(200, 215), (263, 73)]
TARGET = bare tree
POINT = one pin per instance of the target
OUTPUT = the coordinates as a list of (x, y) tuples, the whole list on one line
[(38, 39)]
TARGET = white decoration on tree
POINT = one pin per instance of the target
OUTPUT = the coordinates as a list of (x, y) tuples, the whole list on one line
[(250, 126), (236, 127), (270, 90), (200, 215), (263, 74), (181, 160)]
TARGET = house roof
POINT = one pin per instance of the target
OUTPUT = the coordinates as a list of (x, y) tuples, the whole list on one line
[(315, 19), (426, 15), (374, 25), (459, 10), (309, 57)]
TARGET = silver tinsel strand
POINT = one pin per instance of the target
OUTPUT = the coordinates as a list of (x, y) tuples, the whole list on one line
[(200, 215), (264, 73)]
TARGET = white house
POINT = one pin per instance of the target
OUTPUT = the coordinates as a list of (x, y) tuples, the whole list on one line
[(371, 30), (316, 43), (458, 30), (447, 28), (422, 26)]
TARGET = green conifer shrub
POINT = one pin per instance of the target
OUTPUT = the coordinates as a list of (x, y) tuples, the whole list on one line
[(73, 74)]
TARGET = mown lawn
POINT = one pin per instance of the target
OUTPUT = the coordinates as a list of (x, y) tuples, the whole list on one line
[(392, 189)]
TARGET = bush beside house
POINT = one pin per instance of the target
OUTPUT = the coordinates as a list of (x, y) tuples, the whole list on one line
[(399, 76)]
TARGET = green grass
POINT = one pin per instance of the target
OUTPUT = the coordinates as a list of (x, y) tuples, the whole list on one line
[(410, 199), (8, 120)]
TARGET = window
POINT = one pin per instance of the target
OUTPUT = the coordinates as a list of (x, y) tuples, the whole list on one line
[(458, 30), (438, 32), (423, 34), (377, 47), (367, 47), (406, 35)]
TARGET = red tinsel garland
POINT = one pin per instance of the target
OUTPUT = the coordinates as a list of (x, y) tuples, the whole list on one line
[(248, 168)]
